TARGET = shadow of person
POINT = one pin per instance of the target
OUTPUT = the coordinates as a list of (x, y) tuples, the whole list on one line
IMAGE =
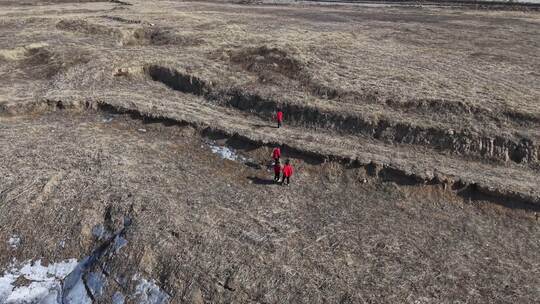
[(260, 181), (253, 165), (258, 126)]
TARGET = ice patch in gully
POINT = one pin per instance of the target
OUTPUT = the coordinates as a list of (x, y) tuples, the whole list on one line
[(226, 152)]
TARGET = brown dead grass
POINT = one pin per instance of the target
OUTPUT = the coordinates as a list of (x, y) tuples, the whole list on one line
[(85, 27), (216, 230), (216, 233)]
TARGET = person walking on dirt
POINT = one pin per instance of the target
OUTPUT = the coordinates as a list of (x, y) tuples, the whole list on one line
[(287, 172), (277, 170), (276, 153), (279, 117)]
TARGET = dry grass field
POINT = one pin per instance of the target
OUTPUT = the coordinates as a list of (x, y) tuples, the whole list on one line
[(414, 132)]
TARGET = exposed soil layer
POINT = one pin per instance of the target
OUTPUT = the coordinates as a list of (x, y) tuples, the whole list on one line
[(263, 61), (503, 195), (159, 36), (460, 142), (381, 171)]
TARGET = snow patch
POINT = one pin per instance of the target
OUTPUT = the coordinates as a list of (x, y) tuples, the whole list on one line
[(226, 152), (63, 283), (147, 292), (96, 282), (99, 231), (119, 242), (14, 241), (77, 294), (43, 283), (118, 298)]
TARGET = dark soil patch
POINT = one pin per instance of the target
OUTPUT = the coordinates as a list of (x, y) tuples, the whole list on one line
[(122, 20), (494, 147), (149, 35), (267, 62)]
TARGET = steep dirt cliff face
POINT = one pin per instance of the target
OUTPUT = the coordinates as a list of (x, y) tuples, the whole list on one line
[(135, 144)]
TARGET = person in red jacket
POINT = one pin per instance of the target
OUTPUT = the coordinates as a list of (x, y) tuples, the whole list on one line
[(276, 153), (279, 118), (287, 172), (277, 170)]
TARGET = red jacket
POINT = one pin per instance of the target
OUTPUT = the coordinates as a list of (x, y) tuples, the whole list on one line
[(287, 171), (276, 153), (279, 116), (277, 168)]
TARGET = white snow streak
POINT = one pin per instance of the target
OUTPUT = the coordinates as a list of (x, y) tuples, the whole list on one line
[(225, 152)]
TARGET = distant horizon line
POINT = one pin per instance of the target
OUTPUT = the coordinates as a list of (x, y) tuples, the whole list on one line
[(432, 1)]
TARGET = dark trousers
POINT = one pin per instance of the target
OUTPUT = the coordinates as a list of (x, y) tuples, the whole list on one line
[(285, 178), (277, 176), (279, 123)]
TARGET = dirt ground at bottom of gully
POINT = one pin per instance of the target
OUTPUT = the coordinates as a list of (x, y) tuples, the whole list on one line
[(212, 230)]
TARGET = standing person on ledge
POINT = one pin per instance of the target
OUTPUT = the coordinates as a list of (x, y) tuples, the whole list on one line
[(279, 118)]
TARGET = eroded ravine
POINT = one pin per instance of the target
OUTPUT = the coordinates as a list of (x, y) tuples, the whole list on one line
[(459, 142), (467, 179)]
